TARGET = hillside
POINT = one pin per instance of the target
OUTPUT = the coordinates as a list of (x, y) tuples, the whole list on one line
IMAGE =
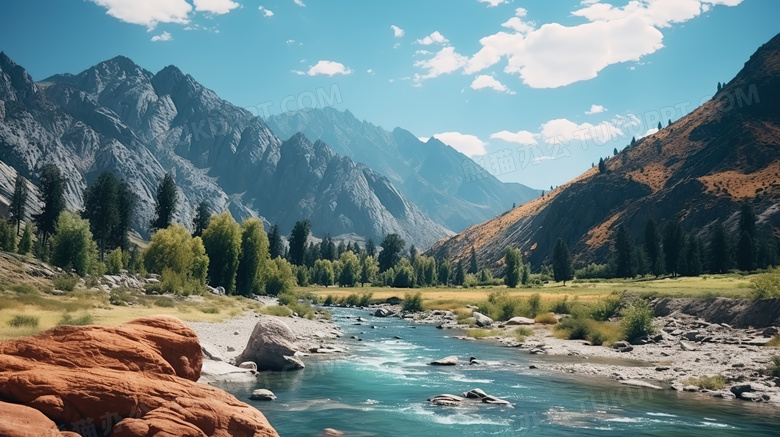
[(433, 175), (120, 117), (703, 168)]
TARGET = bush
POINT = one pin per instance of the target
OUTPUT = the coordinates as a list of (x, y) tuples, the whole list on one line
[(575, 328), (72, 246), (276, 310), (767, 285), (209, 310), (329, 300), (67, 319), (481, 333), (179, 283), (562, 306), (606, 308), (164, 302), (546, 319), (774, 367), (404, 275), (280, 278), (24, 321), (637, 321), (594, 271), (512, 272), (65, 282), (115, 262), (412, 302), (534, 304), (365, 299)]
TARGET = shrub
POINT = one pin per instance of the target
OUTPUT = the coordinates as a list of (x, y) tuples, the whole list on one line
[(164, 302), (72, 246), (575, 328), (209, 310), (67, 319), (65, 282), (365, 298), (24, 321), (179, 283), (115, 262), (276, 310), (481, 333), (546, 319), (767, 285), (593, 271), (774, 367), (513, 261), (412, 302), (562, 306), (329, 300), (606, 308), (534, 304), (716, 382), (637, 320)]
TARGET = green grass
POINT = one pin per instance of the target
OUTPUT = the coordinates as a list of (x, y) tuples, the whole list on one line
[(67, 319), (482, 333), (716, 382), (19, 321), (774, 342), (546, 319), (209, 310), (774, 367), (275, 310), (65, 282)]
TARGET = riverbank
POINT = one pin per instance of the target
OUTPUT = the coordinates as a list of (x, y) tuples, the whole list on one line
[(687, 354)]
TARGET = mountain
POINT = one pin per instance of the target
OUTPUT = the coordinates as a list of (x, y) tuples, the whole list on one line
[(436, 177), (120, 117), (702, 168)]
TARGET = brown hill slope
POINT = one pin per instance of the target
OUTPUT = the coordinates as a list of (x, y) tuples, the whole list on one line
[(703, 167)]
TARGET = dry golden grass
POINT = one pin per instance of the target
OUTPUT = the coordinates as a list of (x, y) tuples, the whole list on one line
[(653, 175), (743, 186), (600, 234)]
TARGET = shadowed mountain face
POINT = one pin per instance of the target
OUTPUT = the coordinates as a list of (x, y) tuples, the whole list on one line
[(703, 168), (117, 116), (433, 175)]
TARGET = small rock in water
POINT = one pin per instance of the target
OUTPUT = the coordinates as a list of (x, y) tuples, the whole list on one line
[(475, 393), (452, 360), (446, 400), (488, 399), (330, 432), (262, 395), (249, 365)]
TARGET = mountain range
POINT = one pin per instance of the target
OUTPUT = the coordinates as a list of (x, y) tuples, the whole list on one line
[(702, 169), (446, 184), (119, 117)]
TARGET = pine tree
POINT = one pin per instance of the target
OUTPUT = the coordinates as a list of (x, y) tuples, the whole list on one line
[(298, 239), (669, 123), (412, 254), (674, 240), (693, 256), (615, 152), (328, 249), (625, 254), (28, 239), (370, 248), (52, 189), (460, 274), (167, 198), (101, 208), (445, 271), (126, 203), (392, 246), (201, 220), (653, 248), (720, 87), (602, 166), (474, 267), (633, 141), (513, 263), (275, 246), (720, 250), (562, 264), (18, 202), (746, 248), (660, 126)]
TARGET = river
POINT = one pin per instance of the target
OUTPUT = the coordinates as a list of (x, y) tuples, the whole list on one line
[(381, 387)]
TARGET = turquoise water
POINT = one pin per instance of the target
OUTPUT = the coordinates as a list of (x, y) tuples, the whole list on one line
[(381, 390)]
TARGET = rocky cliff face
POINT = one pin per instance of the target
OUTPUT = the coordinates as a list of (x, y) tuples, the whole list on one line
[(433, 175), (703, 168), (119, 117), (135, 380)]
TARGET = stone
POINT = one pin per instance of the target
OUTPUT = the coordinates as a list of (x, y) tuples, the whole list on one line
[(751, 396), (620, 344), (482, 320), (144, 370), (446, 400), (638, 383), (211, 352), (662, 368), (249, 365), (22, 421), (271, 346), (262, 395), (330, 432), (452, 360), (520, 321), (723, 394), (474, 393), (770, 332), (494, 400), (382, 312)]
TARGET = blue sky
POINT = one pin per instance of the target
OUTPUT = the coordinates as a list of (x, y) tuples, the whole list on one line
[(536, 90)]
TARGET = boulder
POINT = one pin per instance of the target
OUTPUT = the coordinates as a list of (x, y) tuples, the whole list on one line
[(248, 365), (22, 421), (262, 394), (520, 321), (211, 352), (452, 360), (482, 320), (143, 373), (271, 346), (383, 312), (620, 344), (446, 400), (475, 393), (494, 400), (770, 332)]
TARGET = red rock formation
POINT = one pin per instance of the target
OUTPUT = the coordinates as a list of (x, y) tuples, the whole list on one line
[(135, 380), (21, 421)]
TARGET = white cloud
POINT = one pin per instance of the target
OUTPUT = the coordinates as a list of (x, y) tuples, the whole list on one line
[(493, 3), (328, 68), (520, 137), (555, 55), (596, 109), (147, 12), (165, 36), (445, 61), (485, 81), (469, 145), (217, 7), (397, 31), (434, 38), (370, 71), (299, 3), (267, 13)]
